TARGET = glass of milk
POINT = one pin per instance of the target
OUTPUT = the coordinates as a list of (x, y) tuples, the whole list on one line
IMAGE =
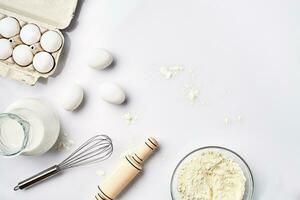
[(14, 133), (28, 127)]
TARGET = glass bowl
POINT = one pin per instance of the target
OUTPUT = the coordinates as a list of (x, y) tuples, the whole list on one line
[(249, 186)]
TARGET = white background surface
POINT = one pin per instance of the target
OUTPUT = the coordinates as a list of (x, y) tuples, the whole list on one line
[(246, 57)]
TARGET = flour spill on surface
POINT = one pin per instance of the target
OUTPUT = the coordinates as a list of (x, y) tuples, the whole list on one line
[(130, 118), (191, 93), (239, 118), (64, 142), (169, 72), (231, 120), (100, 173), (227, 121)]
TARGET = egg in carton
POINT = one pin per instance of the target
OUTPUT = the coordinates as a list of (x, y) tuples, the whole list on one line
[(30, 38)]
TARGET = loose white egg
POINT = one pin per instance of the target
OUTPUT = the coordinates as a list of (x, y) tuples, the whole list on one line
[(51, 41), (112, 93), (100, 58), (22, 55), (71, 97), (43, 62), (9, 27), (5, 49), (30, 34)]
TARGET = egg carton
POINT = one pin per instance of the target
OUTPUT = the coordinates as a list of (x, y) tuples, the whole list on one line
[(48, 15), (27, 74)]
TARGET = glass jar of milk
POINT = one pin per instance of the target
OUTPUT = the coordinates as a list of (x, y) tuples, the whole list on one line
[(28, 127)]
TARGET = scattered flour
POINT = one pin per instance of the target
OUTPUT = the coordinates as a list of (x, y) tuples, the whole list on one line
[(209, 175), (130, 118), (239, 118), (170, 71), (63, 142), (191, 93), (228, 121), (100, 173)]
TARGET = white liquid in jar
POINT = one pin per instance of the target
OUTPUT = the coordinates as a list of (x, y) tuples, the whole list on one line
[(12, 134), (36, 131), (43, 123)]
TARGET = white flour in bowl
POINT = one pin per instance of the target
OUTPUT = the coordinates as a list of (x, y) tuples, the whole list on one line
[(209, 175)]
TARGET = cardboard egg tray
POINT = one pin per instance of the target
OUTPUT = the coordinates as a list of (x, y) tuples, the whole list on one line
[(27, 74), (47, 15)]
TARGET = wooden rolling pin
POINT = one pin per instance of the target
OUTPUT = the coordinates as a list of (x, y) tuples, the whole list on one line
[(128, 169)]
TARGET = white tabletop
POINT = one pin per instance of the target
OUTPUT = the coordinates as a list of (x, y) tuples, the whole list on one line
[(244, 58)]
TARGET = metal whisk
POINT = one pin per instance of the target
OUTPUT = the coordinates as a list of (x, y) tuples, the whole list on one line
[(95, 149)]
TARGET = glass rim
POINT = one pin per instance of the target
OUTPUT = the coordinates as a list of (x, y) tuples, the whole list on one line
[(25, 126), (213, 147)]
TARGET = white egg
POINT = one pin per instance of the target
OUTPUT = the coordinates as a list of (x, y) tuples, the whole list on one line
[(9, 27), (22, 55), (43, 62), (51, 41), (5, 49), (100, 58), (71, 97), (30, 34), (112, 93)]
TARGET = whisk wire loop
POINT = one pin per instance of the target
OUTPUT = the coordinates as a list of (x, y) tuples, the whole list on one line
[(95, 149)]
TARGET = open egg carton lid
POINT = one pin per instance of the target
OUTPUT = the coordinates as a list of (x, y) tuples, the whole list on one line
[(50, 13)]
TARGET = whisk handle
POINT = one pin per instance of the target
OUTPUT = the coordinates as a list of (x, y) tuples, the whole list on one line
[(43, 175)]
